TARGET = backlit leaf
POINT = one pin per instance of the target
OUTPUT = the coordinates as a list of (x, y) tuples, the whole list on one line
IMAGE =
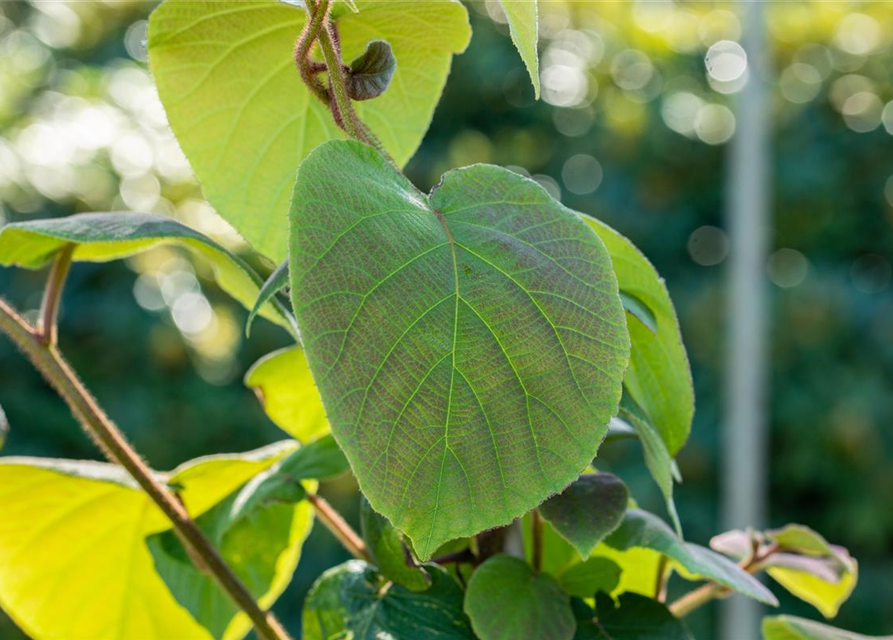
[(659, 375), (102, 237), (353, 601), (813, 587), (283, 384), (469, 345), (588, 510), (524, 29), (73, 557), (506, 600), (642, 529), (225, 73), (793, 628)]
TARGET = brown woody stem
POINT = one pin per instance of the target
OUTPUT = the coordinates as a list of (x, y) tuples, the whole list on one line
[(47, 359), (338, 526), (47, 331)]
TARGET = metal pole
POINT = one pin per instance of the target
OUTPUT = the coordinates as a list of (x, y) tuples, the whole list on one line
[(744, 460)]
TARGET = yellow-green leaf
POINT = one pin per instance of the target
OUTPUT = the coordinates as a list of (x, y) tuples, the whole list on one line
[(226, 76), (524, 29), (73, 557), (285, 387), (825, 595), (793, 628)]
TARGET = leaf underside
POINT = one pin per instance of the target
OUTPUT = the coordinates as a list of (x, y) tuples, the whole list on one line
[(468, 345), (226, 76)]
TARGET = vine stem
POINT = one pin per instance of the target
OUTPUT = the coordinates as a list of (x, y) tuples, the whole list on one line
[(536, 539), (47, 359), (47, 327), (339, 528), (345, 113), (308, 36), (704, 594)]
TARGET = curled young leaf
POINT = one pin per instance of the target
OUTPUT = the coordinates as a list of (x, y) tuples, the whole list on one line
[(371, 73), (588, 510), (468, 345)]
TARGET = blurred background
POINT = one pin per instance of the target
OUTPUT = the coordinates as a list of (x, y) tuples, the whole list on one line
[(635, 124)]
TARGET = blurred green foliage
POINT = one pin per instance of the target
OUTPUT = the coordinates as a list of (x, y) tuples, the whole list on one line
[(632, 129)]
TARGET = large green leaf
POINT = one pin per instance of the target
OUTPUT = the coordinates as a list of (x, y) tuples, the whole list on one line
[(642, 529), (101, 237), (793, 628), (285, 388), (506, 600), (73, 558), (353, 601), (659, 375), (388, 551), (469, 346), (634, 617), (588, 510), (524, 29), (226, 76), (259, 535)]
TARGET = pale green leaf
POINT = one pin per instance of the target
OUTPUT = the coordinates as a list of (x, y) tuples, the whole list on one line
[(277, 281), (633, 617), (587, 510), (793, 628), (353, 601), (225, 73), (585, 579), (506, 600), (801, 539), (259, 533), (285, 388), (388, 551), (659, 375), (102, 237), (469, 345), (642, 529), (524, 29), (74, 532)]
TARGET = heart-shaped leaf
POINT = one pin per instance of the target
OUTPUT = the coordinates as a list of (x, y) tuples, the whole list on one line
[(102, 237), (388, 552), (642, 529), (659, 375), (225, 73), (588, 510), (469, 345), (523, 19), (793, 628), (283, 384), (74, 533), (371, 73), (353, 601), (505, 600)]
